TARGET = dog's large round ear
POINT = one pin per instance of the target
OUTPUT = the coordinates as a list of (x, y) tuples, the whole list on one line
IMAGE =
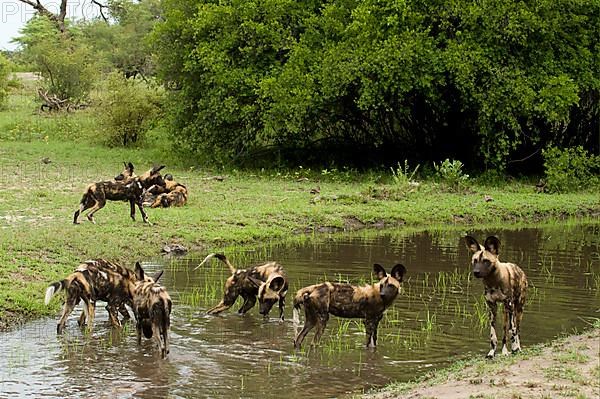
[(157, 275), (398, 272), (139, 272), (472, 244), (157, 169), (255, 281), (379, 271), (130, 166), (492, 244), (277, 283)]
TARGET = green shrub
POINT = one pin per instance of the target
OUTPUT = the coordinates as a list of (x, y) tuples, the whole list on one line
[(68, 66), (4, 80), (402, 175), (451, 173), (127, 109), (570, 169)]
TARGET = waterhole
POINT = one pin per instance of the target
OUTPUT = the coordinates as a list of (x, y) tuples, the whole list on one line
[(438, 318)]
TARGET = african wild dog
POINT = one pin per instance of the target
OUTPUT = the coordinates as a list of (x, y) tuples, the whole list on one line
[(349, 301), (172, 194), (95, 280), (504, 282), (152, 308), (124, 189), (267, 281), (127, 173)]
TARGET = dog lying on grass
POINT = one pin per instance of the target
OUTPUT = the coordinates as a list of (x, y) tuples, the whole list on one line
[(172, 194), (268, 282), (503, 282), (348, 301), (152, 308)]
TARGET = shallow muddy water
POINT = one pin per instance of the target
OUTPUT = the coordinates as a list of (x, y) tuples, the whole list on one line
[(439, 317)]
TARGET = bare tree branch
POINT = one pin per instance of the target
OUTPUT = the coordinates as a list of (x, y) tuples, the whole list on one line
[(42, 10), (102, 7)]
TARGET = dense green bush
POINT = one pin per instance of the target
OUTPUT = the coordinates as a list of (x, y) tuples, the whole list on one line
[(4, 79), (127, 109), (570, 169), (377, 81)]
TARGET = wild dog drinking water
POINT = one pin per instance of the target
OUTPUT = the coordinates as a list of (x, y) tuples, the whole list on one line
[(503, 282), (268, 282), (152, 307), (123, 189), (95, 280), (348, 301)]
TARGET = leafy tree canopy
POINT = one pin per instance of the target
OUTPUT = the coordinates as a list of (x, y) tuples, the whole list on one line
[(380, 80)]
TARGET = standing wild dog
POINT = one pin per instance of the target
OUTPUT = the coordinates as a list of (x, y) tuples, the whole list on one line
[(152, 308), (504, 282), (349, 301), (123, 189), (95, 280), (267, 281)]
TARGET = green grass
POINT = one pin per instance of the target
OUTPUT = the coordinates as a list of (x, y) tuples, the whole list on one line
[(39, 243)]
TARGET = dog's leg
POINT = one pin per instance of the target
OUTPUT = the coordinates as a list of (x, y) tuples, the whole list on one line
[(309, 323), (157, 337), (371, 325), (492, 310), (165, 337), (281, 306), (143, 212), (249, 302), (222, 306), (322, 319), (77, 213), (99, 205), (506, 329), (515, 345), (124, 312), (91, 306), (82, 317), (519, 317), (70, 304), (113, 315), (132, 209)]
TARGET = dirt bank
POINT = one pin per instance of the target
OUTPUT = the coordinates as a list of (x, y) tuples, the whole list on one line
[(568, 367)]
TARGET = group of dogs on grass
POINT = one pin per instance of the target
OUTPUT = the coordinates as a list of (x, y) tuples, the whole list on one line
[(119, 286), (151, 188)]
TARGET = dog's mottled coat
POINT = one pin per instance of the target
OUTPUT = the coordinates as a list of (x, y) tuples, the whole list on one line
[(503, 282), (125, 187), (95, 280), (348, 301), (152, 308), (266, 282)]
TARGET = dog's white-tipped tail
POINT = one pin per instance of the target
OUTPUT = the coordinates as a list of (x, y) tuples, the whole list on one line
[(51, 290), (209, 257)]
